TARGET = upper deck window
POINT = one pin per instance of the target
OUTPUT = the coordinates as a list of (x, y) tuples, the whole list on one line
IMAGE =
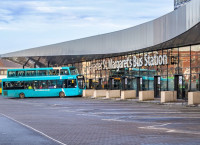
[(11, 74), (20, 73), (54, 72), (64, 72), (74, 71), (31, 73), (42, 72)]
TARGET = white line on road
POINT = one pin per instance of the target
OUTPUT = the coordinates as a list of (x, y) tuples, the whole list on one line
[(33, 129)]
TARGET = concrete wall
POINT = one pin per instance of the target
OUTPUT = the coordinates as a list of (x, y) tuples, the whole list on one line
[(113, 94), (88, 93), (168, 96), (193, 98), (128, 94), (99, 93), (146, 95)]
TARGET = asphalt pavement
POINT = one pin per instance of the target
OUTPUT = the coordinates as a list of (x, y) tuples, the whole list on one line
[(86, 121)]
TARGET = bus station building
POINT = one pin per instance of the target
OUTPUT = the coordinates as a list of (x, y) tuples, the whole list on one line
[(160, 55)]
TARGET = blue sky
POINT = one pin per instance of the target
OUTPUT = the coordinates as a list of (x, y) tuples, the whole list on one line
[(31, 23)]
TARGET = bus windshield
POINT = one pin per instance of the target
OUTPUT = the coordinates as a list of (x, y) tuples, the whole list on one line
[(74, 71)]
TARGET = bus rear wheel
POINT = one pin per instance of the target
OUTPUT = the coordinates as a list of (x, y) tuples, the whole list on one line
[(21, 96), (62, 95)]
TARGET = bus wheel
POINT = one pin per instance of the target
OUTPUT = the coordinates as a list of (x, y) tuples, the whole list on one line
[(21, 96), (62, 95)]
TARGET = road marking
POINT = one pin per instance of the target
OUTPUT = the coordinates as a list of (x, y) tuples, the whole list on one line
[(161, 127), (27, 126)]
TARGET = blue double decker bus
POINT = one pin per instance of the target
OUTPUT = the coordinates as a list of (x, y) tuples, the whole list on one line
[(43, 82)]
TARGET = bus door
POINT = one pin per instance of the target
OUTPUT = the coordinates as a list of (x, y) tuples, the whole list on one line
[(178, 86), (157, 86)]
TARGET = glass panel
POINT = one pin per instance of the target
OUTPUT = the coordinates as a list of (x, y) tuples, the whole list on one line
[(186, 85), (42, 72), (184, 51), (64, 72), (195, 61), (173, 61), (195, 70), (54, 72), (31, 73), (59, 83), (43, 85), (81, 83), (11, 74), (74, 71), (52, 84), (171, 83), (36, 84), (28, 85), (71, 83), (20, 73), (163, 83), (195, 50), (184, 62), (184, 71), (194, 82), (8, 85)]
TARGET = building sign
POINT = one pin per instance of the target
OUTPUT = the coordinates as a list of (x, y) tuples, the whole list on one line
[(131, 62)]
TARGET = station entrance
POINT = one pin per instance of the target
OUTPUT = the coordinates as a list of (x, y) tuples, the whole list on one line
[(157, 86), (179, 86)]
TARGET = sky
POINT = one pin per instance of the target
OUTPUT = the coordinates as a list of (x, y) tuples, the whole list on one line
[(27, 24)]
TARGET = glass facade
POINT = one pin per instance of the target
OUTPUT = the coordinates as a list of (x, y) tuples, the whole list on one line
[(179, 70)]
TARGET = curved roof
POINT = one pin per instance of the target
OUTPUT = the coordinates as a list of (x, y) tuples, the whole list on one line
[(166, 31)]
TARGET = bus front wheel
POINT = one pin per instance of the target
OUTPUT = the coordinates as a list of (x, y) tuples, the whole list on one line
[(21, 96), (61, 94)]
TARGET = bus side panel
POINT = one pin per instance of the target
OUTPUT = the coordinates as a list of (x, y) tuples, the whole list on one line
[(33, 93), (43, 93), (73, 92)]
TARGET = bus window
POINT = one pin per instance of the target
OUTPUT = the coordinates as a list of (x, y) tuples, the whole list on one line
[(74, 71), (8, 85), (43, 85), (18, 85), (54, 72), (71, 83), (42, 73), (20, 73), (59, 83), (36, 84), (52, 84), (31, 73), (11, 74), (28, 85), (64, 72)]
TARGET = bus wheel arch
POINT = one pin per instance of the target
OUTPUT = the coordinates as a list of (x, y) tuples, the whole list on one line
[(21, 95), (62, 94)]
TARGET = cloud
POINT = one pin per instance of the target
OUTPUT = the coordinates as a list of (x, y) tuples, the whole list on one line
[(70, 19)]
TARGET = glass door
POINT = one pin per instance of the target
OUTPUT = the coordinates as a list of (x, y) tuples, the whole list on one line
[(157, 86), (178, 86)]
